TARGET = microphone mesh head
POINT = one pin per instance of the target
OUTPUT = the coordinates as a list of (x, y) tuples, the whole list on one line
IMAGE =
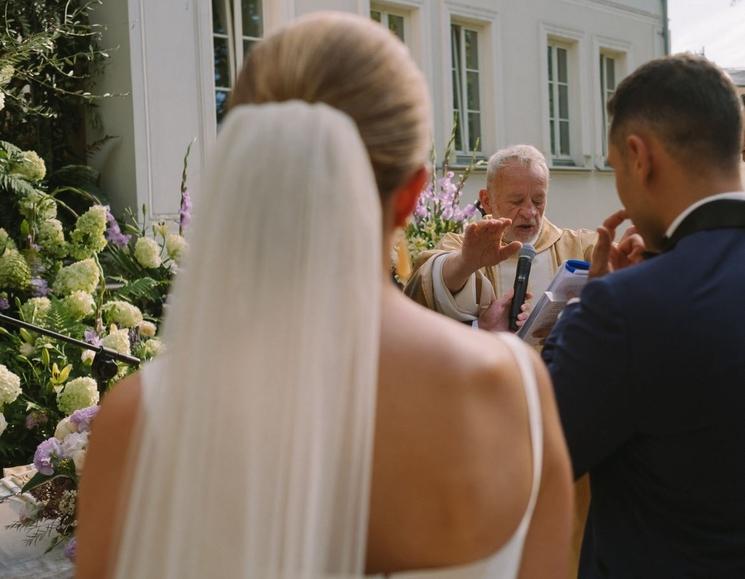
[(528, 251)]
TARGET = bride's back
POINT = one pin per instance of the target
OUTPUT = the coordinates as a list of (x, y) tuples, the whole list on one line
[(452, 465)]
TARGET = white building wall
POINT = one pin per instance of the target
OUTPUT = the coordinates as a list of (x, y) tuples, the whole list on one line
[(165, 63)]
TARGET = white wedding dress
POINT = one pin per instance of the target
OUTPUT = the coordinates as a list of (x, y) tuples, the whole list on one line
[(505, 563)]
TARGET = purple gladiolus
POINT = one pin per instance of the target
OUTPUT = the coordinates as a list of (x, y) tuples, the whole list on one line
[(469, 211), (82, 418), (71, 548), (185, 211), (39, 287), (45, 453), (113, 232)]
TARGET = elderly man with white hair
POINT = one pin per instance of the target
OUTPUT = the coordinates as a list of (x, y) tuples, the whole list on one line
[(466, 273)]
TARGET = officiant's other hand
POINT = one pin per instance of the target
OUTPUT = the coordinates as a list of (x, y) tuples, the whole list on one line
[(609, 255), (496, 317), (483, 246)]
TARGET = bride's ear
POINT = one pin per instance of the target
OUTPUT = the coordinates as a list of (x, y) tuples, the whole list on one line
[(405, 197)]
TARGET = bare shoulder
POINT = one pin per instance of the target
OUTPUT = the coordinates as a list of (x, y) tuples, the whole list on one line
[(421, 344), (104, 483)]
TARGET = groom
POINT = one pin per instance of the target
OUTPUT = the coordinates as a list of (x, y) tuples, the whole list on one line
[(649, 366)]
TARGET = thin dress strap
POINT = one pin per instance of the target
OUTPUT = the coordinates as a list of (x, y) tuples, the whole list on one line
[(527, 372)]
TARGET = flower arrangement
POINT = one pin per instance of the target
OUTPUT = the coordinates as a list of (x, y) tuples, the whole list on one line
[(46, 505), (82, 275), (438, 210), (94, 282)]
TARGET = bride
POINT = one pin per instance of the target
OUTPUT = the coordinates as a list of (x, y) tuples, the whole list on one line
[(309, 420)]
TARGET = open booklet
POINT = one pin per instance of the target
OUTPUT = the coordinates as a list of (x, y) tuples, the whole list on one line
[(567, 284)]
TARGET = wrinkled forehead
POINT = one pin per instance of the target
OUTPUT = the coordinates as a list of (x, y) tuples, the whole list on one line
[(517, 177)]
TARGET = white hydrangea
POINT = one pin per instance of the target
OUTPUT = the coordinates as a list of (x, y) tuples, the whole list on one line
[(122, 313), (31, 167), (79, 304), (147, 253), (36, 204), (64, 427), (79, 276), (10, 386), (26, 349), (147, 329), (3, 424), (152, 348), (88, 236), (76, 394), (36, 309), (52, 237), (176, 246), (117, 340)]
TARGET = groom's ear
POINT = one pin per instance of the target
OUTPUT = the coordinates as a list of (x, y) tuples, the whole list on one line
[(406, 196)]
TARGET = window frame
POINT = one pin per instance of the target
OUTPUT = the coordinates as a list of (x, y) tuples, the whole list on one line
[(464, 112), (555, 118), (235, 41), (386, 10), (580, 150), (487, 22), (621, 52)]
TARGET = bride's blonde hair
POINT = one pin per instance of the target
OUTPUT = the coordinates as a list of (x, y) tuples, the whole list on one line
[(358, 67)]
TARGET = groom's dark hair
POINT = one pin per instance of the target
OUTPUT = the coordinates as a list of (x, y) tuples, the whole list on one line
[(689, 103)]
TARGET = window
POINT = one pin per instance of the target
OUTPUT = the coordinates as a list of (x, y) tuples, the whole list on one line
[(466, 88), (607, 87), (236, 26), (393, 22), (558, 104)]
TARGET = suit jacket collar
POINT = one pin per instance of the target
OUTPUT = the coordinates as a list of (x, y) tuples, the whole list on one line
[(720, 214)]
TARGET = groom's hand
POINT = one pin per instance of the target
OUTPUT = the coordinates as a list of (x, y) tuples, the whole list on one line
[(609, 255)]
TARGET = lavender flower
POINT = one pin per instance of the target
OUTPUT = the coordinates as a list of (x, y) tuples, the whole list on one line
[(185, 211), (4, 304), (71, 548), (469, 211), (45, 453), (82, 418), (113, 232), (39, 287), (92, 337)]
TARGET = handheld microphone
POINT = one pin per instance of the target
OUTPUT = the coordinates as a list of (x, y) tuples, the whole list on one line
[(524, 261)]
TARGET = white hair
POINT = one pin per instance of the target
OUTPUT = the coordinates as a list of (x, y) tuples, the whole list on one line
[(526, 155)]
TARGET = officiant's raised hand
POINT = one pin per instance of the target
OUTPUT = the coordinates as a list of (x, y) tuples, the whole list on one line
[(609, 255), (483, 246)]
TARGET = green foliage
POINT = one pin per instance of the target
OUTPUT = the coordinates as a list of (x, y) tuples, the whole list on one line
[(54, 53)]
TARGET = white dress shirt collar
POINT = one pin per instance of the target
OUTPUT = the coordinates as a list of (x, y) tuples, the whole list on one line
[(738, 195)]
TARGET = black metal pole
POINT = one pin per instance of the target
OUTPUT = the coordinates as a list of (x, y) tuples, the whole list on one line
[(112, 354)]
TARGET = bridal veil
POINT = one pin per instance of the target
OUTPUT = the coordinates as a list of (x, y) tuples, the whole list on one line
[(255, 444)]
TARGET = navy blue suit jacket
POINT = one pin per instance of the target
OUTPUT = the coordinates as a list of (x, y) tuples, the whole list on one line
[(649, 375)]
